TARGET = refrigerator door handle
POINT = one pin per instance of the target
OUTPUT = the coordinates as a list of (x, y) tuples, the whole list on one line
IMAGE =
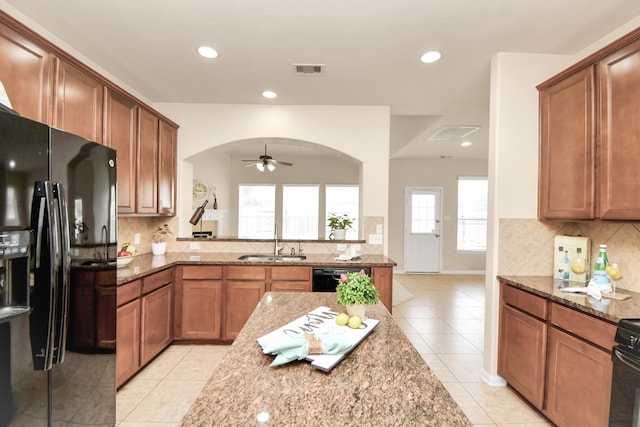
[(64, 268), (44, 299)]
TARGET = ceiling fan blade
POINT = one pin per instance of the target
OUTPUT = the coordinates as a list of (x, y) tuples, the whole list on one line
[(280, 162), (250, 164), (254, 161)]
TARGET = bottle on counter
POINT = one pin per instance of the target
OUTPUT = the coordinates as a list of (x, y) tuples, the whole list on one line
[(600, 268)]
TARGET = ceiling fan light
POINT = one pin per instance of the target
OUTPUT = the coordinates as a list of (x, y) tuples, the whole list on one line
[(260, 167), (271, 167)]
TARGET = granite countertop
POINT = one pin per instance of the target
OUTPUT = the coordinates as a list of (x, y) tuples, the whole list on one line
[(145, 264), (382, 382), (550, 288)]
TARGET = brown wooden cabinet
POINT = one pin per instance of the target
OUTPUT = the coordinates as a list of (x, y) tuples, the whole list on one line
[(383, 279), (589, 121), (77, 102), (120, 119), (147, 163), (167, 146), (199, 303), (619, 83), (128, 331), (25, 71), (157, 322), (290, 279), (244, 287), (556, 357)]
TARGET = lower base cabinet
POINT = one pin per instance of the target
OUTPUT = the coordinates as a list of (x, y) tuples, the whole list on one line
[(242, 299), (128, 341), (157, 322), (199, 303), (578, 382)]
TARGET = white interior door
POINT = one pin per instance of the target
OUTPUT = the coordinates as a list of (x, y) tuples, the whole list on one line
[(422, 247)]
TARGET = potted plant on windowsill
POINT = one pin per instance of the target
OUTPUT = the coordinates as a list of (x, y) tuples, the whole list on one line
[(355, 291), (338, 225), (158, 240)]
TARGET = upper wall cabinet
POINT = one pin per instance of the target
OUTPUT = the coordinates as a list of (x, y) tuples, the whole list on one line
[(589, 164), (78, 102), (46, 84), (25, 71)]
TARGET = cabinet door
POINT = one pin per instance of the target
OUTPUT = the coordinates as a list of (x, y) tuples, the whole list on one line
[(619, 77), (201, 313), (128, 352), (157, 323), (105, 321), (383, 279), (242, 298), (566, 188), (77, 102), (578, 382), (147, 167), (291, 286), (521, 354), (167, 169), (120, 134), (25, 72)]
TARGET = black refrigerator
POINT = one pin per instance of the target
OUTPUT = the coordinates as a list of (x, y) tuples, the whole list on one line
[(58, 208)]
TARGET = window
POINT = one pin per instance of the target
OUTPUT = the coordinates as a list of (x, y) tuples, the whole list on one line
[(256, 211), (472, 213), (300, 211), (423, 213), (343, 199)]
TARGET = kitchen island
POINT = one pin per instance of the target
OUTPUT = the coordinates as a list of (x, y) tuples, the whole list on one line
[(383, 381)]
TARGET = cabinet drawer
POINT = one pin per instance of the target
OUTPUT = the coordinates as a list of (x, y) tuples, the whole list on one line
[(198, 272), (157, 280), (246, 273), (599, 332), (290, 273), (532, 304), (128, 292)]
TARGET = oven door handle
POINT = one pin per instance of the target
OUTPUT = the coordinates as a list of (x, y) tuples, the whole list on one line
[(626, 360)]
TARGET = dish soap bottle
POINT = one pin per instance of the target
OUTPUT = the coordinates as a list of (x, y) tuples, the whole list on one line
[(600, 276)]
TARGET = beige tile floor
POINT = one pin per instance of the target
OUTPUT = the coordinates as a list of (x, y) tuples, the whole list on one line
[(444, 320)]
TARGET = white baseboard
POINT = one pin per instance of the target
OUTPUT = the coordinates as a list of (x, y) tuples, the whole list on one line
[(493, 380), (398, 271)]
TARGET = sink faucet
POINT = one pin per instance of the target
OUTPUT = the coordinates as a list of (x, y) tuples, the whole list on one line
[(276, 248)]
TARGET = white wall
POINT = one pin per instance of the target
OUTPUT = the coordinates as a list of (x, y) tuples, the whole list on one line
[(360, 132), (433, 173)]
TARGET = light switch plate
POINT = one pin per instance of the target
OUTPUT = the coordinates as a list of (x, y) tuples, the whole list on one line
[(136, 239), (341, 247), (379, 228), (194, 245), (375, 239)]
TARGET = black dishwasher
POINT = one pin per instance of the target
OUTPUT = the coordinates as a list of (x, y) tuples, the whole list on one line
[(325, 279), (625, 386)]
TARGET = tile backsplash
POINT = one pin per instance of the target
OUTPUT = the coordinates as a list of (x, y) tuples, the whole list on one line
[(526, 246), (128, 226)]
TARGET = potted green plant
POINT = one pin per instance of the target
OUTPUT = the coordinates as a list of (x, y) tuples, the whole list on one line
[(355, 291), (338, 225), (158, 240)]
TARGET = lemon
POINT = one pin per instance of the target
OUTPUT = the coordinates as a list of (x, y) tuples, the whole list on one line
[(577, 268), (342, 319), (613, 272), (355, 322)]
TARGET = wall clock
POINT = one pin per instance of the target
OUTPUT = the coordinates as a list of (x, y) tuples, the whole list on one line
[(200, 190)]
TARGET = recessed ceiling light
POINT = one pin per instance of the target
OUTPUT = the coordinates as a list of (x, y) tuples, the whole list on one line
[(430, 57), (269, 94), (207, 52), (466, 143)]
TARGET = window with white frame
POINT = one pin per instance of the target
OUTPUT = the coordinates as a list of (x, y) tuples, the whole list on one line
[(256, 211), (300, 210), (472, 213), (343, 200)]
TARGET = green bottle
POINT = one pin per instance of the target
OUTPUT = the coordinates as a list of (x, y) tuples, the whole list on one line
[(600, 268)]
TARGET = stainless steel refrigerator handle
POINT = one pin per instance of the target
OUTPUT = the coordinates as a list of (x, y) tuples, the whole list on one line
[(43, 317), (63, 273)]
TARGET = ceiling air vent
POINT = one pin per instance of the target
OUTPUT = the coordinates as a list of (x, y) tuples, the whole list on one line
[(308, 69), (451, 133)]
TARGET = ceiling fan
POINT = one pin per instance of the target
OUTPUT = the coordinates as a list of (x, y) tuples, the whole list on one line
[(266, 162)]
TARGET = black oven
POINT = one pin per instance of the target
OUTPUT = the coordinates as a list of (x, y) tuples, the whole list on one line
[(325, 279), (624, 410)]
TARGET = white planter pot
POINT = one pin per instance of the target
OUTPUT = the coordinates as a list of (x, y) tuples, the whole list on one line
[(339, 234), (359, 310), (159, 248)]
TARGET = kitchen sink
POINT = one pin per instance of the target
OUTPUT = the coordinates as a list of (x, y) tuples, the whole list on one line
[(272, 258), (98, 262)]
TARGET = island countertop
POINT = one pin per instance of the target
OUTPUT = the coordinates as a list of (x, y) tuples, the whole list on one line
[(382, 382)]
